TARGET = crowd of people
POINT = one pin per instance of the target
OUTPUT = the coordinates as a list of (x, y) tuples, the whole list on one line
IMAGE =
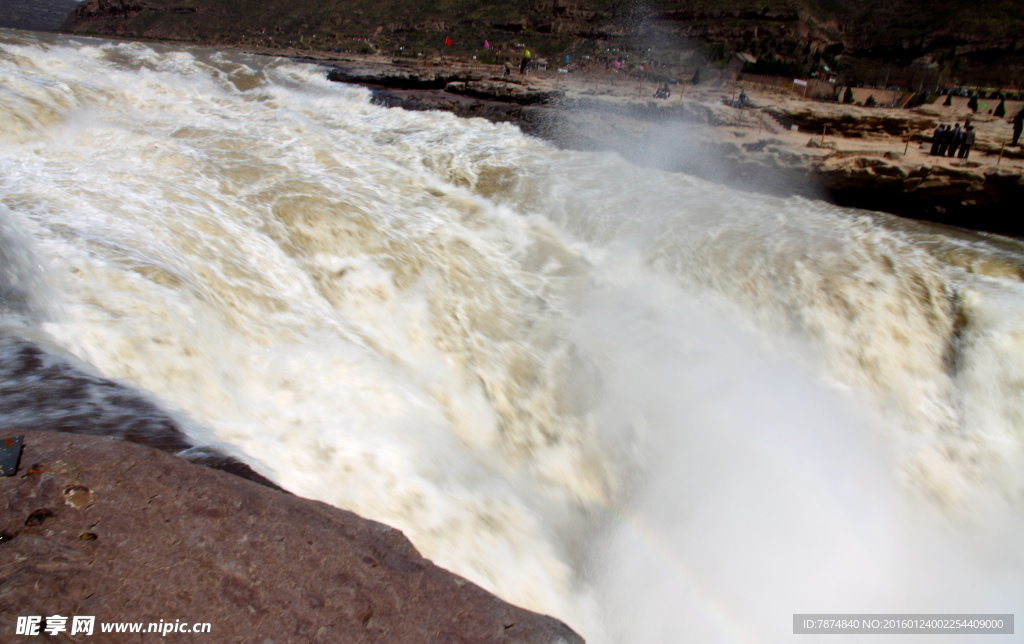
[(957, 142), (953, 141)]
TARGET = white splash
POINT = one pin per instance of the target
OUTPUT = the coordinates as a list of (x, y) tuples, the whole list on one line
[(653, 407)]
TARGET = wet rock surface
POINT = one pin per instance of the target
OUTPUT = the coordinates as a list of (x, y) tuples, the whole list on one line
[(41, 15), (44, 391), (95, 526)]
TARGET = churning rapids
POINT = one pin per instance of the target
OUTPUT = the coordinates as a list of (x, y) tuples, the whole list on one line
[(656, 408)]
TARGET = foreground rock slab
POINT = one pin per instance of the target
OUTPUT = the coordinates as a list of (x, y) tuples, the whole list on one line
[(95, 526)]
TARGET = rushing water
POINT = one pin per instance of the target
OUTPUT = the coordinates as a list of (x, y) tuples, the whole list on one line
[(656, 408)]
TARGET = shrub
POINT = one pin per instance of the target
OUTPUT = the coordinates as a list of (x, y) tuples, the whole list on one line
[(871, 102), (973, 104), (769, 65), (949, 100), (1000, 109), (848, 96)]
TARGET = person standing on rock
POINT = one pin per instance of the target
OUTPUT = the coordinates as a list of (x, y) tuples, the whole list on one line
[(969, 137), (1018, 126), (944, 137), (526, 61), (955, 139), (937, 135)]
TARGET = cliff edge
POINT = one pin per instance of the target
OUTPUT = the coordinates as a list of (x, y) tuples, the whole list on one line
[(96, 526)]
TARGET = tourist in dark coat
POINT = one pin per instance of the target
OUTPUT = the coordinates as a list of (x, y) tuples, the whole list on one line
[(969, 137), (944, 137), (956, 137), (937, 139)]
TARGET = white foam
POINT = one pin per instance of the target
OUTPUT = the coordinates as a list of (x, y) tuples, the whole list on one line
[(614, 395)]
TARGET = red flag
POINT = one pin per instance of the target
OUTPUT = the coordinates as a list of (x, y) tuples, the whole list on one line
[(448, 41)]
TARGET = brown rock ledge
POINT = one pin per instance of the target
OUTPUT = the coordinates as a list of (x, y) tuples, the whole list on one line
[(97, 526)]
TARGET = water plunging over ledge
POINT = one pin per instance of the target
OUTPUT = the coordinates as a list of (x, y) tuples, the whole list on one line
[(652, 406)]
